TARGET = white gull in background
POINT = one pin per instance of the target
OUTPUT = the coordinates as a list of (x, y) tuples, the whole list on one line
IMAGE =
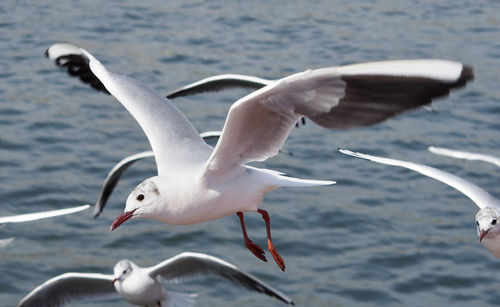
[(144, 286), (487, 217), (465, 155), (198, 183)]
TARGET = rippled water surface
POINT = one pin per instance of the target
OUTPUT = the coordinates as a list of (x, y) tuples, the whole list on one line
[(381, 236)]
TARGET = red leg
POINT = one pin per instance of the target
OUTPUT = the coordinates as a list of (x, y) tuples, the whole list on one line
[(270, 245), (254, 248)]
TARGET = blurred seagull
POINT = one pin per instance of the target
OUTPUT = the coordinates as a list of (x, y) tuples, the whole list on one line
[(144, 286), (40, 215), (488, 228), (198, 183), (464, 155)]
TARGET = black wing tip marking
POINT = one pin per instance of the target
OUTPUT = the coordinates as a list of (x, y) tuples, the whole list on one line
[(466, 75), (77, 66)]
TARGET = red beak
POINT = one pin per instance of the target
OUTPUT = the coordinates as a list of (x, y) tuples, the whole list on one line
[(121, 219), (114, 280), (483, 234)]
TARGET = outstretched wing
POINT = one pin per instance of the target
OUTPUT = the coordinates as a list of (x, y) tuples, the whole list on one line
[(70, 287), (187, 266), (220, 82), (70, 56), (464, 155), (41, 215), (479, 196), (336, 97), (174, 140)]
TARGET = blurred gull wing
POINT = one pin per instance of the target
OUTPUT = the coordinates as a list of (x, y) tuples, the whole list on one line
[(117, 171), (479, 196), (41, 215), (342, 97), (220, 82), (465, 155), (5, 242), (70, 287), (188, 266)]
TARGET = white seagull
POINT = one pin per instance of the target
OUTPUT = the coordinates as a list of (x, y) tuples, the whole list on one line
[(144, 286), (198, 183), (465, 155), (488, 228)]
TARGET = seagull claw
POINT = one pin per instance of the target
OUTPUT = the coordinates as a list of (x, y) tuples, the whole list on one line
[(279, 261), (256, 250)]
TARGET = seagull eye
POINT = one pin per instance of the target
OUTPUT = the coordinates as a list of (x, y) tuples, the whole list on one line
[(140, 197), (124, 271), (494, 222)]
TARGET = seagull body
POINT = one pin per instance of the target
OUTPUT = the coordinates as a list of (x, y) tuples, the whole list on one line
[(144, 286), (487, 218), (198, 183)]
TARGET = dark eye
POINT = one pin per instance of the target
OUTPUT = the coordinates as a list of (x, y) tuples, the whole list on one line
[(477, 223), (140, 197), (494, 222), (124, 271)]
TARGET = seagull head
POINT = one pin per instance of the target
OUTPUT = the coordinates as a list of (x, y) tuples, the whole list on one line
[(141, 202), (488, 223), (122, 270)]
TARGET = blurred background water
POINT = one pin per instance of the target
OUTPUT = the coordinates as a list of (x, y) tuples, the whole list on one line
[(381, 236)]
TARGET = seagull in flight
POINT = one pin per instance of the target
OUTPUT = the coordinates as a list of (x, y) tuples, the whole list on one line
[(198, 183), (487, 218), (144, 286)]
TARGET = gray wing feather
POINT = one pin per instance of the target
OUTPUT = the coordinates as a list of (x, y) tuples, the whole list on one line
[(188, 265), (70, 287), (218, 83)]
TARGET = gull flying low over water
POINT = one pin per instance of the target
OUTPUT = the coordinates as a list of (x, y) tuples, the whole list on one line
[(465, 155), (198, 183), (144, 286), (487, 217)]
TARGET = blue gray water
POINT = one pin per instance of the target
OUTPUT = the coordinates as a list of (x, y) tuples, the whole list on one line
[(381, 236)]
